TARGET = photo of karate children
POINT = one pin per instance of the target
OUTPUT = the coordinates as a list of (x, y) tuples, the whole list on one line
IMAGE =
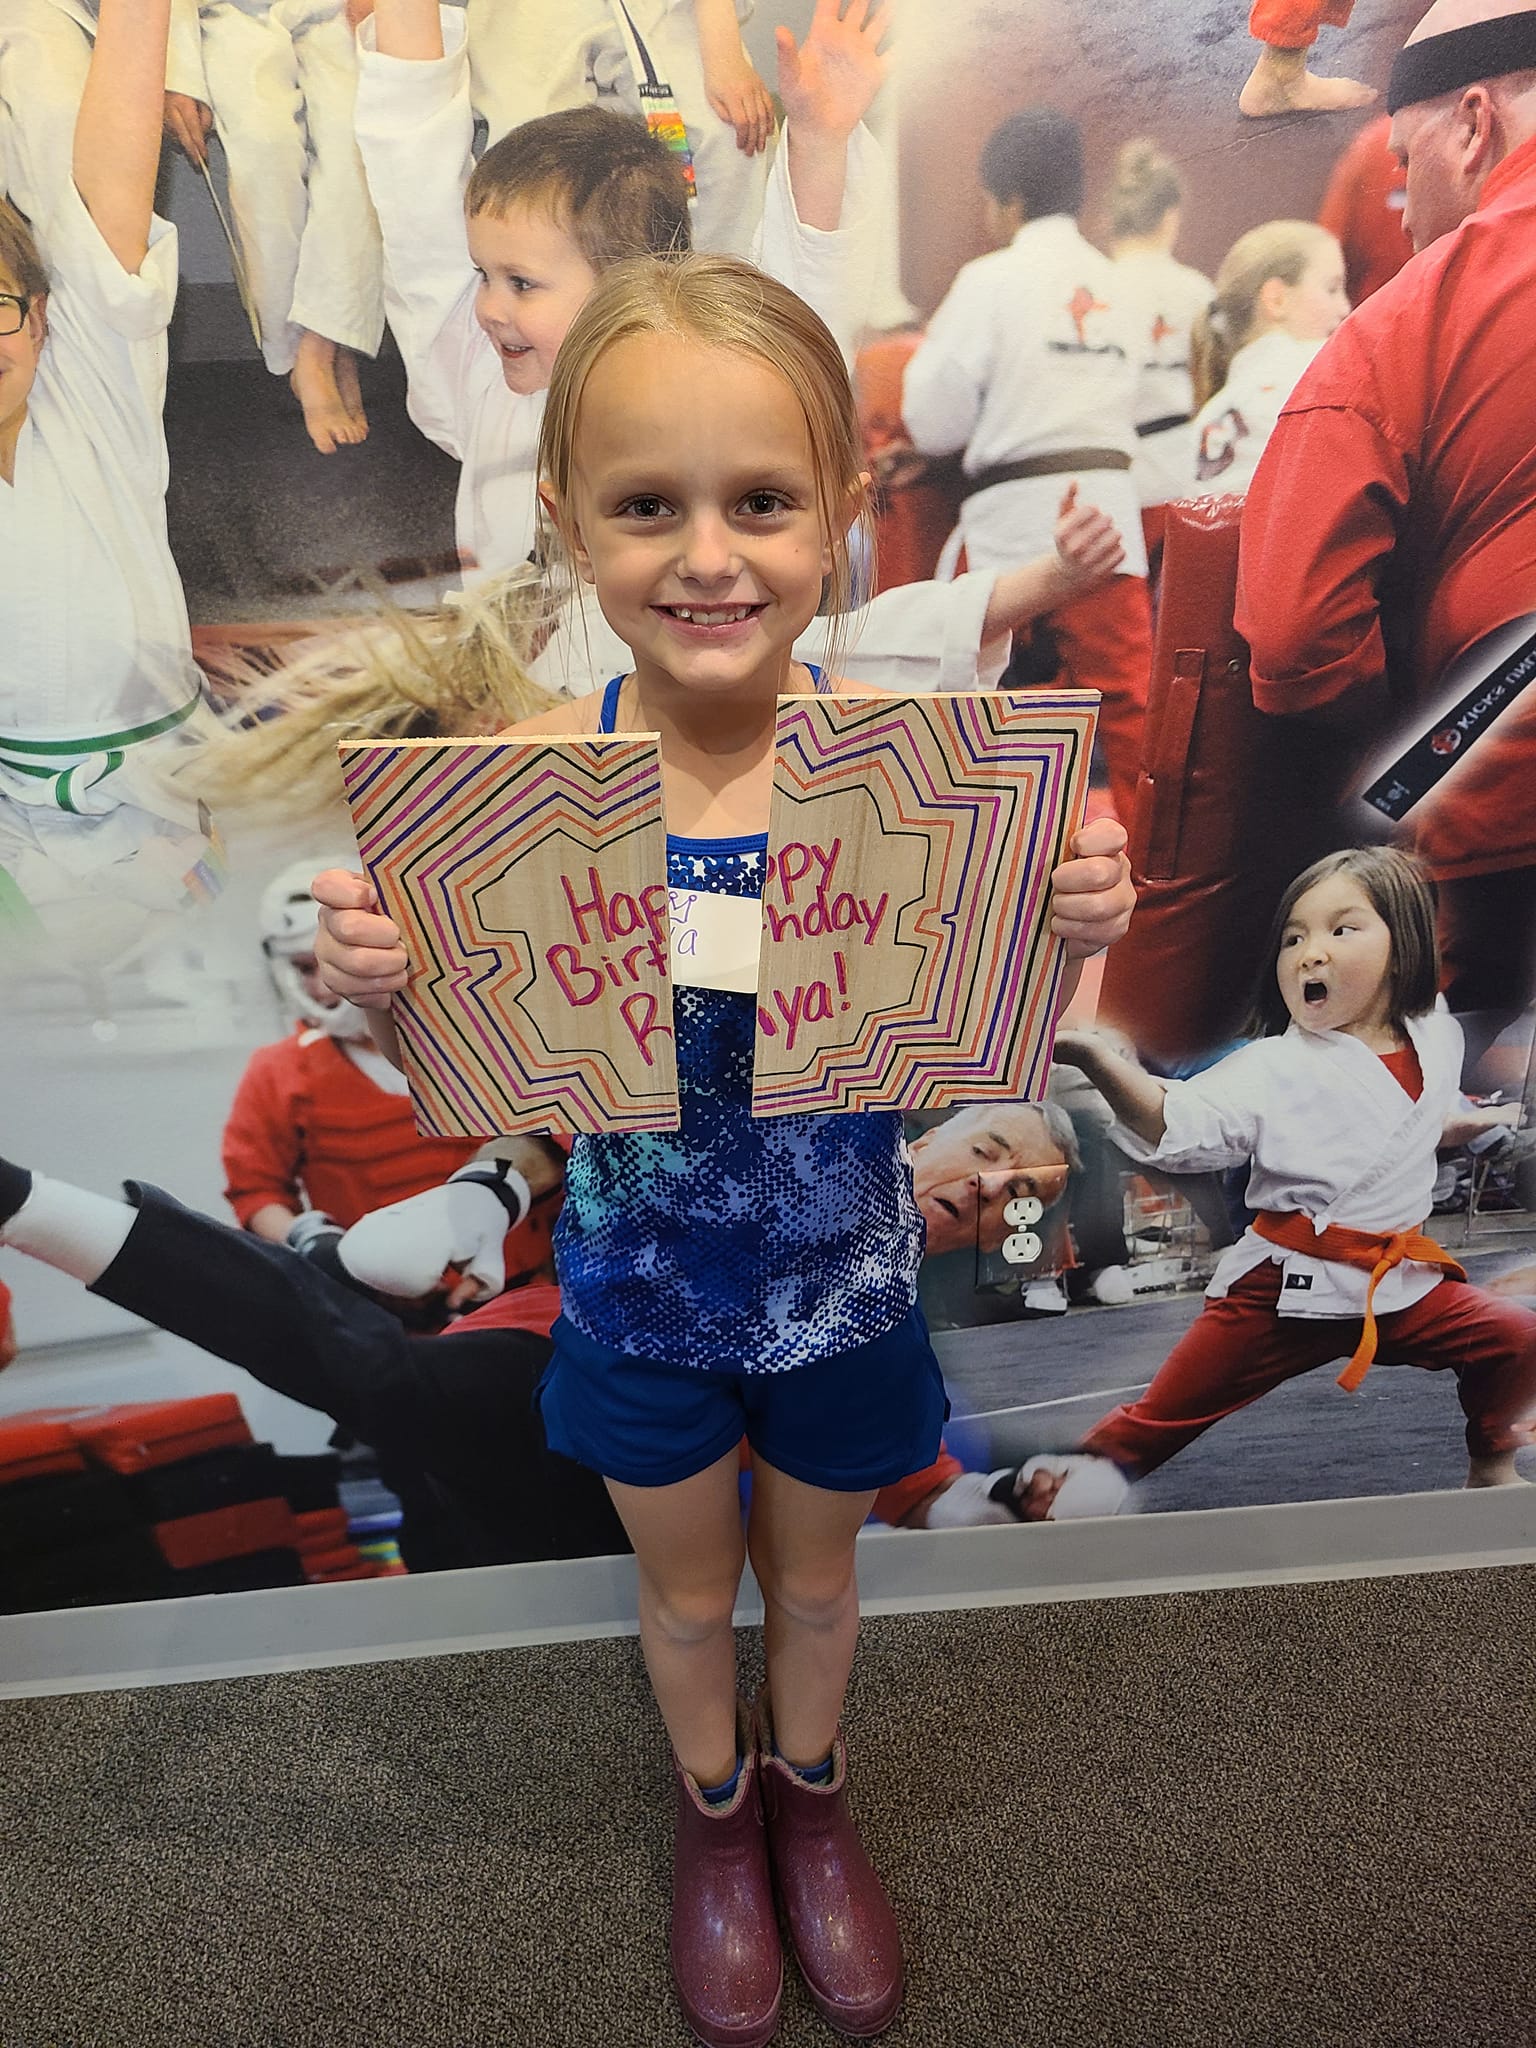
[(1225, 811)]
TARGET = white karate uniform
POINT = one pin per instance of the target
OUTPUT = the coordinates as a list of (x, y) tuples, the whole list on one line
[(45, 52), (281, 78), (917, 638), (1330, 1134), (1165, 297), (414, 128), (1034, 351), (96, 668), (533, 57), (1232, 428)]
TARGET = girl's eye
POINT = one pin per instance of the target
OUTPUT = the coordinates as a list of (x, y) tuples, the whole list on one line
[(643, 508), (761, 503)]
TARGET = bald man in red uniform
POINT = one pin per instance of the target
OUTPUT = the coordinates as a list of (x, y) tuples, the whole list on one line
[(1392, 522)]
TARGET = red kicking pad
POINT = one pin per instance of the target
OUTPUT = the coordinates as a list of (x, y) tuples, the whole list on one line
[(35, 1445), (138, 1435)]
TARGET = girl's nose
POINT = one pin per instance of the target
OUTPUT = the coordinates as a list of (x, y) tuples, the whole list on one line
[(709, 550)]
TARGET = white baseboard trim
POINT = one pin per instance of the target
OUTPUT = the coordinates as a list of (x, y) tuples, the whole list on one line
[(235, 1635)]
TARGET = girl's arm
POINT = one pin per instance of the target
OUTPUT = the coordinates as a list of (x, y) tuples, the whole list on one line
[(826, 86), (408, 28), (1135, 1096), (117, 131)]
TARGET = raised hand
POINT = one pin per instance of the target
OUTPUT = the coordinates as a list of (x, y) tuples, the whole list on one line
[(829, 82)]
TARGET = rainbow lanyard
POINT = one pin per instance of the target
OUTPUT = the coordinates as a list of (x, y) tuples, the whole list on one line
[(658, 103)]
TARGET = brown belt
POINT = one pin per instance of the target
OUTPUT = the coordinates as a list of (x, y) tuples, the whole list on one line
[(1063, 463)]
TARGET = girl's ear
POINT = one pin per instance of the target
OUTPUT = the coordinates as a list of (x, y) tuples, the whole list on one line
[(1273, 299), (854, 500)]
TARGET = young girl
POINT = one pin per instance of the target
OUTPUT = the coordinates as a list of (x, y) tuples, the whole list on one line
[(1340, 1109), (1279, 295), (700, 457)]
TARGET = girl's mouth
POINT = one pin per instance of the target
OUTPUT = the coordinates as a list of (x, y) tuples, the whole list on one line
[(1313, 992), (709, 618)]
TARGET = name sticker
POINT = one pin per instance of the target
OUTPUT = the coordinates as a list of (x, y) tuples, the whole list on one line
[(716, 940)]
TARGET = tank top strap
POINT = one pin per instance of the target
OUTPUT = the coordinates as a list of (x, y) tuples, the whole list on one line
[(609, 710)]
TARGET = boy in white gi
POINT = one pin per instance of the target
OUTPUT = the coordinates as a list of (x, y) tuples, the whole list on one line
[(1030, 366), (533, 57), (479, 306), (278, 79), (95, 653)]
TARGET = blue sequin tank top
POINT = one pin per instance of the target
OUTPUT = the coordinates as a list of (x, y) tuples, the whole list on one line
[(736, 1243)]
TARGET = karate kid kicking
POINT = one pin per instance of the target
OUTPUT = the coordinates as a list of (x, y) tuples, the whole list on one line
[(533, 57), (1280, 82), (483, 279), (278, 80), (95, 653), (1340, 1110)]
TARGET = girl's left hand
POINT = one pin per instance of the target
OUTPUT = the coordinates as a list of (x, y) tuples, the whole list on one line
[(1091, 893), (829, 83)]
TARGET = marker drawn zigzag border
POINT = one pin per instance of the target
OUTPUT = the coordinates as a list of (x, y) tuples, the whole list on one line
[(977, 1027), (438, 823)]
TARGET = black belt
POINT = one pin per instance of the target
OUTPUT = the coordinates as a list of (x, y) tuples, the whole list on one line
[(1064, 463), (1164, 425)]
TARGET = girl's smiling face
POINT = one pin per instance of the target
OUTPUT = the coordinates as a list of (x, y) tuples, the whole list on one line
[(1335, 964), (695, 511)]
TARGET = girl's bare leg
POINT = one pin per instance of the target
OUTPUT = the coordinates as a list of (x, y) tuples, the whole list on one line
[(801, 1542), (690, 1550), (1499, 1471)]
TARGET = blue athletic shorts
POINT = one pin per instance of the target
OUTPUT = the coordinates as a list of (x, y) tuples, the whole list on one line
[(851, 1424)]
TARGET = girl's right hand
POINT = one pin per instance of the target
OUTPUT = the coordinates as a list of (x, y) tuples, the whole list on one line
[(358, 949)]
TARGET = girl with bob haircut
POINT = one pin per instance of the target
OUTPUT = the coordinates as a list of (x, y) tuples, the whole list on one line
[(737, 1278), (1350, 1084), (1279, 295)]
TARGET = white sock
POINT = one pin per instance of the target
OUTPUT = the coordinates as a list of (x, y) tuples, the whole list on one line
[(70, 1228)]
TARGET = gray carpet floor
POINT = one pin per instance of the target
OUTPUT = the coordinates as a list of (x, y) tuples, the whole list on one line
[(1282, 1815)]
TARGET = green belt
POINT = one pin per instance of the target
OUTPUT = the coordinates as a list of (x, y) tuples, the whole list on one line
[(36, 757)]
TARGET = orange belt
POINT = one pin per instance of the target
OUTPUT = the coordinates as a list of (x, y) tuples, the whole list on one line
[(1373, 1254)]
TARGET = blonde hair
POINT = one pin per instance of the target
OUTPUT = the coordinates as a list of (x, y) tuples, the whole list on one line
[(724, 304), (456, 671), (1281, 249), (1146, 186)]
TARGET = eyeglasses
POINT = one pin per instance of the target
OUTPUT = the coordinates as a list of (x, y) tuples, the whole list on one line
[(13, 312)]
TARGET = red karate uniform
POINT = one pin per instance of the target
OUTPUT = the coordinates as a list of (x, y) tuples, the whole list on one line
[(1363, 206), (1392, 522), (308, 1127), (1293, 24)]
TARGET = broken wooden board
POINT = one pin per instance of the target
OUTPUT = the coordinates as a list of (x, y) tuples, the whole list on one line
[(907, 961), (528, 879)]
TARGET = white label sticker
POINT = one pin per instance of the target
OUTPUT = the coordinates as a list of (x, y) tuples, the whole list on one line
[(715, 940)]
